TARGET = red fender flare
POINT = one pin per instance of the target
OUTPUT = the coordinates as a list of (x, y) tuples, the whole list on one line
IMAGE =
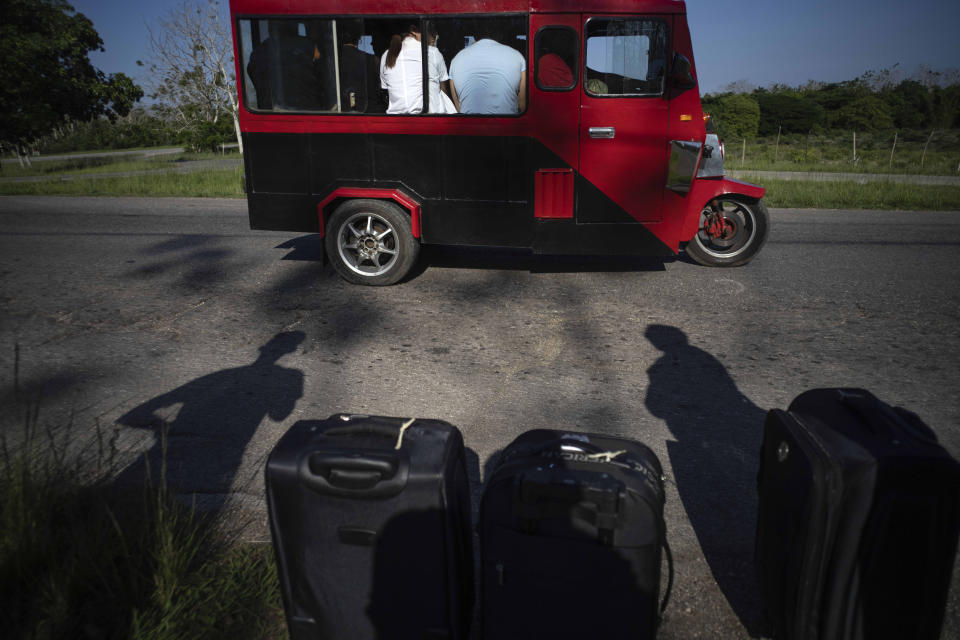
[(405, 201)]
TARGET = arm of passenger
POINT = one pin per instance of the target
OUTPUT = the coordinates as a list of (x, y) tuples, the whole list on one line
[(522, 94), (453, 95)]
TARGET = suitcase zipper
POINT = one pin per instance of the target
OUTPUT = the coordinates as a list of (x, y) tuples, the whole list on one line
[(814, 562)]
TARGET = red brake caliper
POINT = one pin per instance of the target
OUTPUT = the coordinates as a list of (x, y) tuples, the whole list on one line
[(716, 225)]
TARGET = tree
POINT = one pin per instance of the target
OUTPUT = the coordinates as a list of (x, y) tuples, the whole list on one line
[(910, 104), (139, 128), (863, 113), (796, 114), (740, 86), (192, 73), (46, 78), (739, 116), (946, 106)]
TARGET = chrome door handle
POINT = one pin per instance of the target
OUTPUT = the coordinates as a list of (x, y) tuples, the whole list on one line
[(602, 132)]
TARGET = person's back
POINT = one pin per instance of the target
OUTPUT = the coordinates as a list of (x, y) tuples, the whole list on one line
[(489, 78), (403, 79), (359, 81), (301, 87), (283, 71)]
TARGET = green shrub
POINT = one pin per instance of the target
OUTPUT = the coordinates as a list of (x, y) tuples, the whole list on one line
[(83, 558)]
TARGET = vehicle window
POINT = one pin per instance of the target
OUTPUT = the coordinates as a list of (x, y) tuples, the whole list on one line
[(337, 65), (286, 64), (625, 57), (556, 55), (316, 65), (360, 45)]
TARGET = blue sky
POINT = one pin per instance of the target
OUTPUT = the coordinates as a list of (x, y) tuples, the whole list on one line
[(760, 41)]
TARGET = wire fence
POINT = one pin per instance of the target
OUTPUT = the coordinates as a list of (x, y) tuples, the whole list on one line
[(931, 152)]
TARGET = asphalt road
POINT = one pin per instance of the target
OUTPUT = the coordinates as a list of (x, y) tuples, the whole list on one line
[(126, 308)]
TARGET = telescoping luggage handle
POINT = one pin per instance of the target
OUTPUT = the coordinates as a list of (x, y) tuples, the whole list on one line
[(359, 473), (584, 451), (589, 451), (555, 444), (877, 415)]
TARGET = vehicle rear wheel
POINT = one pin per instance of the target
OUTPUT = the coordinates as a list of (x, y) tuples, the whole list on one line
[(731, 232), (370, 242)]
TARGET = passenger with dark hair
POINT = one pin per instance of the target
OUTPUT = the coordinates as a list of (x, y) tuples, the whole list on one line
[(401, 74), (283, 70), (359, 76)]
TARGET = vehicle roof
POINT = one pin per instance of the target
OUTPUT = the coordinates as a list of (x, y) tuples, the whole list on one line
[(388, 7)]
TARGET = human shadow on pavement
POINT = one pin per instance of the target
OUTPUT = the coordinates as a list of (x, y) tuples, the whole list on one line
[(202, 447), (307, 248), (717, 434)]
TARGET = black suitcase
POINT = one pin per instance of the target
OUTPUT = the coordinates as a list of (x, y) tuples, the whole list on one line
[(858, 520), (571, 528), (372, 541)]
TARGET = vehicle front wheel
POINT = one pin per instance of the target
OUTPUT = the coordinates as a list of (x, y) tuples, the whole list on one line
[(731, 232), (370, 242)]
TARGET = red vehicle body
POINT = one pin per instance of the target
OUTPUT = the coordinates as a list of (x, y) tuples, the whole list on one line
[(618, 163)]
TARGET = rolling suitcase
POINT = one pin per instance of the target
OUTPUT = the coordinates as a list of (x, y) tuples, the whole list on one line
[(370, 519), (571, 531), (858, 520)]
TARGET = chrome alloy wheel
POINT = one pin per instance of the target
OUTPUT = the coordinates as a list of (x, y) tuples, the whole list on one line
[(726, 230), (367, 244)]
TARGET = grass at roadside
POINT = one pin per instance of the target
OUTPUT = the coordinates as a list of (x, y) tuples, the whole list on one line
[(852, 195), (82, 166), (88, 559), (215, 183), (107, 164)]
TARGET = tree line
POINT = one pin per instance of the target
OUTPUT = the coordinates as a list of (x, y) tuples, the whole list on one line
[(141, 127), (874, 102)]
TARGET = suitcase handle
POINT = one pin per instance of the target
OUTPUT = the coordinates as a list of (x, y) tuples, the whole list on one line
[(893, 420), (553, 445), (365, 429), (367, 474)]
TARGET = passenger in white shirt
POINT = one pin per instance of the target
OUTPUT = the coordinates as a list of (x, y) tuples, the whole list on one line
[(401, 73), (489, 77)]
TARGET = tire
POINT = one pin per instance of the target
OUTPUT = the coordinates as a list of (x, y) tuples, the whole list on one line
[(731, 234), (370, 242)]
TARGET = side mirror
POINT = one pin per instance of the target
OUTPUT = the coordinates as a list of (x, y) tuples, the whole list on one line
[(681, 76)]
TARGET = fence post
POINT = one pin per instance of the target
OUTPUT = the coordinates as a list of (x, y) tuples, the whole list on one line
[(923, 156), (854, 159), (743, 154), (776, 149), (892, 149)]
